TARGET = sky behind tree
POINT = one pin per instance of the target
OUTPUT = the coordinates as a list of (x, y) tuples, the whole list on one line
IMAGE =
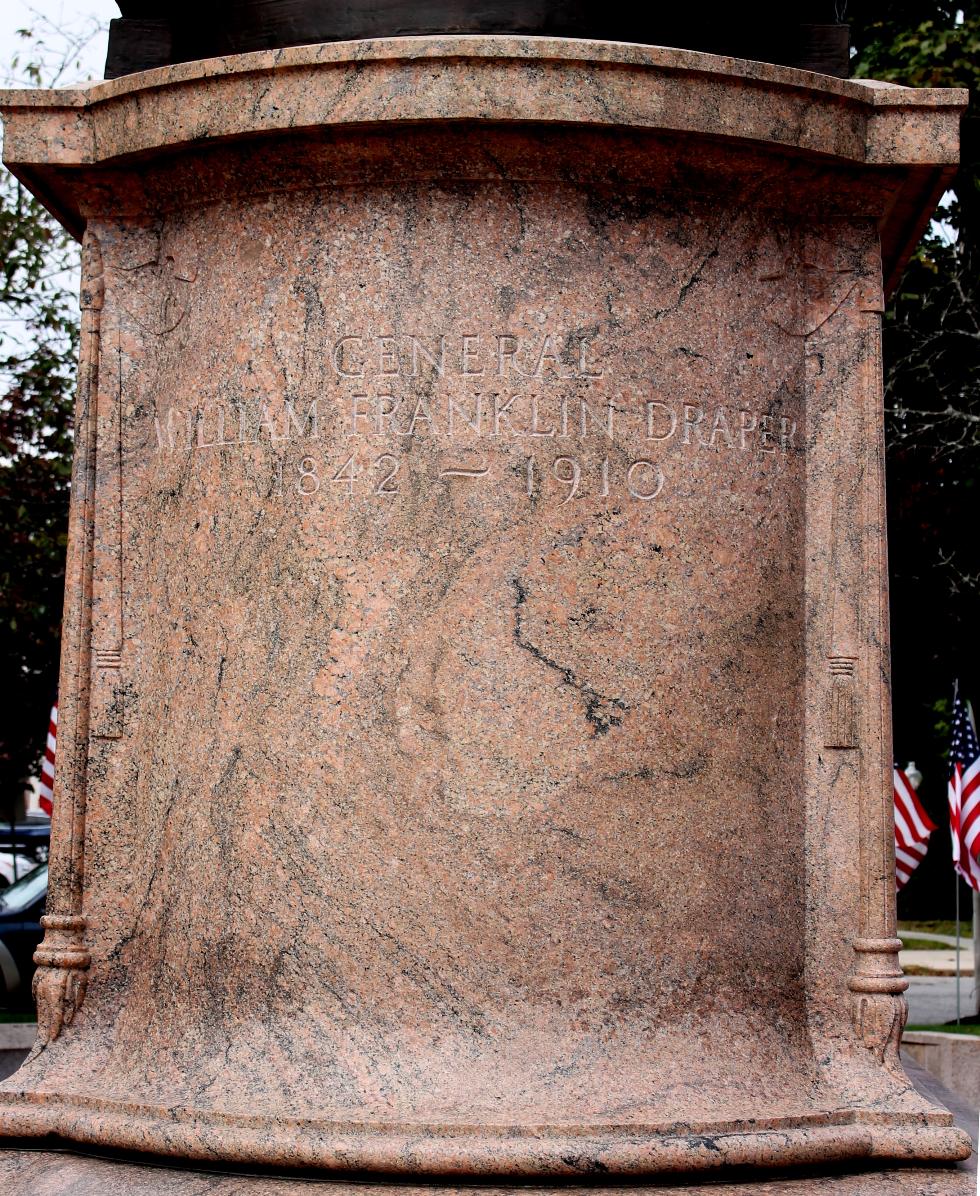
[(83, 19)]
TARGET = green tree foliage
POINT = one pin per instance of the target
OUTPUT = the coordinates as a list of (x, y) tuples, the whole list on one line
[(36, 373), (38, 346), (932, 396)]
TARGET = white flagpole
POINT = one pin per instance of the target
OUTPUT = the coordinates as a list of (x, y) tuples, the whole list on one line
[(976, 952), (976, 910), (956, 874), (956, 881)]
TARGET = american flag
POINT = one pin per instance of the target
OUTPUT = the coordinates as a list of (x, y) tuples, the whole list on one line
[(46, 788), (912, 829), (964, 794)]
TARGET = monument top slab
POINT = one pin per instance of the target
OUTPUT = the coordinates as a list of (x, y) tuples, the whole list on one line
[(493, 79)]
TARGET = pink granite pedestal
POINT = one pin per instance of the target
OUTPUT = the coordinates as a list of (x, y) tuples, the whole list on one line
[(32, 1173), (474, 754), (26, 1172), (50, 1174)]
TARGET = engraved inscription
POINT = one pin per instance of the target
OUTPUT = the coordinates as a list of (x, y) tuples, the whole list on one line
[(465, 355), (495, 415), (462, 472), (476, 400)]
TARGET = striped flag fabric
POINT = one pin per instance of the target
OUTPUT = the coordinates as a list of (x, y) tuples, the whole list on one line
[(46, 788), (964, 793), (913, 827)]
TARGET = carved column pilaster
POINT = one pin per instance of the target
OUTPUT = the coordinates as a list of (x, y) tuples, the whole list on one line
[(879, 1008), (62, 958), (837, 314), (107, 585)]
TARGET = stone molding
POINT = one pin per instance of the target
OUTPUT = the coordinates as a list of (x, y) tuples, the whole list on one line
[(488, 78)]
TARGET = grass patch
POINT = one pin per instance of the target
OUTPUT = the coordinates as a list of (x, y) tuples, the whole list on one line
[(966, 928), (27, 1015), (909, 944), (962, 1028)]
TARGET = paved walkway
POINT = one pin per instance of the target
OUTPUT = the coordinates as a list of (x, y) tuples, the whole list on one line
[(942, 960), (948, 940), (939, 963), (932, 999)]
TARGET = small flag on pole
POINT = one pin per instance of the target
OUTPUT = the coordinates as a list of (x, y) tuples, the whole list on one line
[(912, 829), (46, 788), (964, 793)]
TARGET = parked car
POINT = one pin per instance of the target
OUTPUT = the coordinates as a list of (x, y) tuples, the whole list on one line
[(21, 907), (14, 867), (28, 839)]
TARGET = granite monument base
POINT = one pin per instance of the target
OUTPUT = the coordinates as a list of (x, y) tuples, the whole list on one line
[(31, 1172), (474, 756)]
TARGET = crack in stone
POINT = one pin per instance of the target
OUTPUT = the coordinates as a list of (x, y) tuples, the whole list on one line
[(602, 712), (695, 278)]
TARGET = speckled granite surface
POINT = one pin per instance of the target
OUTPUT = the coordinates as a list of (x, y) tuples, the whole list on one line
[(30, 1173), (35, 1174), (474, 753)]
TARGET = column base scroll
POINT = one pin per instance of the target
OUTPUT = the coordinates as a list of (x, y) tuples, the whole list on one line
[(61, 977)]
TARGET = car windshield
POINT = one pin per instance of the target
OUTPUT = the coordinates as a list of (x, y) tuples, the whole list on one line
[(24, 892)]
